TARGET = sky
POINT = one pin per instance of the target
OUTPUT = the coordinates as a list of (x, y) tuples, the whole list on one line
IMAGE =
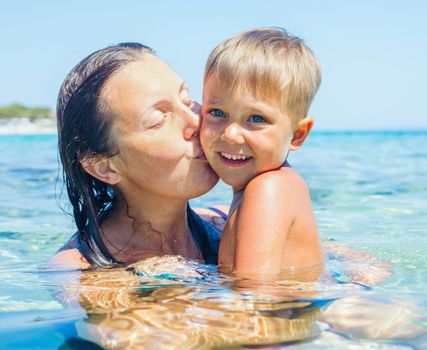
[(373, 53)]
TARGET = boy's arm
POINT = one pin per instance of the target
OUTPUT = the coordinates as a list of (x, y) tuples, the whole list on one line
[(272, 202)]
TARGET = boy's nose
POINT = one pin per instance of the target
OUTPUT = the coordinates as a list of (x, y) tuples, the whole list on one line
[(233, 134), (192, 121)]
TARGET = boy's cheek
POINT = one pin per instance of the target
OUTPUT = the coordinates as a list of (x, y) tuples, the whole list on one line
[(202, 133), (206, 135), (204, 128)]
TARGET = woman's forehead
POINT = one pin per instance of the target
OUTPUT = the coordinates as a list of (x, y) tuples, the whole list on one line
[(141, 84), (150, 73)]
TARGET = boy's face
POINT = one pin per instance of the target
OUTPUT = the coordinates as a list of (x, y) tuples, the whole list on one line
[(241, 135)]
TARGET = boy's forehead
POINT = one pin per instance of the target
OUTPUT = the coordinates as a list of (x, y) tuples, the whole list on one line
[(217, 85), (215, 89)]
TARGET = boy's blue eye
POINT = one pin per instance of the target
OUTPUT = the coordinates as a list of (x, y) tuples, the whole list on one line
[(217, 113), (257, 119)]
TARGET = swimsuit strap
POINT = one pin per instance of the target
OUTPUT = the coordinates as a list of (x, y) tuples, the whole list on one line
[(219, 212), (237, 200), (205, 235)]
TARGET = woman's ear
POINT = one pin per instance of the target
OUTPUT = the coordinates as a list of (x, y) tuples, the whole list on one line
[(102, 169), (300, 133)]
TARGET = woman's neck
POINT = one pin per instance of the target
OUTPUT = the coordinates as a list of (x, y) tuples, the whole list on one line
[(138, 228)]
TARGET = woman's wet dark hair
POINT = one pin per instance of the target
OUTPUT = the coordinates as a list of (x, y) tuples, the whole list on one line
[(84, 128)]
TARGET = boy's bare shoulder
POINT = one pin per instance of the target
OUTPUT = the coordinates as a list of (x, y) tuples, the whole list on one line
[(69, 259), (285, 180)]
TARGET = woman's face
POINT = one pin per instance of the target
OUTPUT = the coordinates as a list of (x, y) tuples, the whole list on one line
[(156, 131)]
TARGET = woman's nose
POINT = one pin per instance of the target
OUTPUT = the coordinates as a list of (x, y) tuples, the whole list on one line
[(233, 134), (192, 121)]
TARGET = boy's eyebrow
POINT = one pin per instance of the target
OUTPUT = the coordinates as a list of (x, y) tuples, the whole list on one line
[(213, 100)]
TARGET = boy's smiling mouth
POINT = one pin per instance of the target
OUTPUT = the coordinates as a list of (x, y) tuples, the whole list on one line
[(234, 160), (234, 156)]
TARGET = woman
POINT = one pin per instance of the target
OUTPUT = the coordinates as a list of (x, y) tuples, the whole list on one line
[(129, 147)]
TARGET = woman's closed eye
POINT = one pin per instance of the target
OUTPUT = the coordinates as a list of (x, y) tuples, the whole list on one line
[(158, 120), (156, 125)]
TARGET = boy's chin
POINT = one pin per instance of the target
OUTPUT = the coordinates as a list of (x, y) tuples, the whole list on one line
[(237, 184)]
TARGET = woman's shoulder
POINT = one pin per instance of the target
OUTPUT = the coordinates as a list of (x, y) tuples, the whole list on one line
[(215, 215), (69, 257)]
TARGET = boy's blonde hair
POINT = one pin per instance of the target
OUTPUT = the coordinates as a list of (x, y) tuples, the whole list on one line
[(270, 64)]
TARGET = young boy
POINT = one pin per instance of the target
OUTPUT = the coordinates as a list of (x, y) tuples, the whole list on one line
[(258, 87)]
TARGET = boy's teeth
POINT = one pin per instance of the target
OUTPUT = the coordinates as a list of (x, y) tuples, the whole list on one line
[(234, 156)]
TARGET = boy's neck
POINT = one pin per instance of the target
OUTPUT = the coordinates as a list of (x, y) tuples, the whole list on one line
[(237, 190), (237, 199)]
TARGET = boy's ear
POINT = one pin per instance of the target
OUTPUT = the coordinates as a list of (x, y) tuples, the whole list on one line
[(301, 132), (102, 169)]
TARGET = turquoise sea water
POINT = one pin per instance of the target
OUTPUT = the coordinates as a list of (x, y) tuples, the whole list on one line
[(369, 191)]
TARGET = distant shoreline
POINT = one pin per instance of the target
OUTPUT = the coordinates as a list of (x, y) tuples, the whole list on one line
[(47, 126), (26, 126)]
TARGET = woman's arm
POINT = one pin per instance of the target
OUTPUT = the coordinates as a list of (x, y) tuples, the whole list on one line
[(359, 266)]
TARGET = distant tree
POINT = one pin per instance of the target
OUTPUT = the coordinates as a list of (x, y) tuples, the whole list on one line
[(16, 110)]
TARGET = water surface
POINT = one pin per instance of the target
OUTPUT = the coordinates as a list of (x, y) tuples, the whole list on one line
[(369, 190)]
